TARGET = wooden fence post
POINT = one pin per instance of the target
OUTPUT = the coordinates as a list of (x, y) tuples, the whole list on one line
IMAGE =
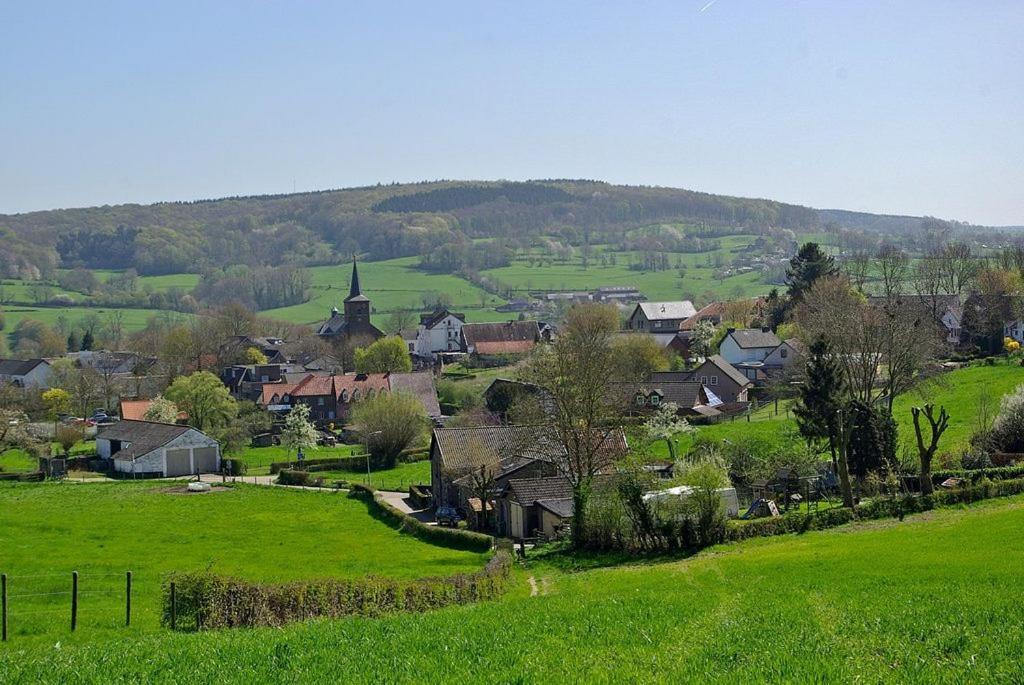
[(3, 606), (128, 599), (74, 600), (174, 608)]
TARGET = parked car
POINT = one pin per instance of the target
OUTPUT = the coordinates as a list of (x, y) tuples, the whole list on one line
[(101, 418), (447, 516)]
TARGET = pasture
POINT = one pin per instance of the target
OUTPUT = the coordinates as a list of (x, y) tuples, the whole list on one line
[(816, 607), (254, 532)]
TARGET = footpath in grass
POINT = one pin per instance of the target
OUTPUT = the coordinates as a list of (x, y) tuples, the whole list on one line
[(102, 530), (818, 607)]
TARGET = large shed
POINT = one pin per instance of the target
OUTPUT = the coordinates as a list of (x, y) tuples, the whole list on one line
[(150, 449)]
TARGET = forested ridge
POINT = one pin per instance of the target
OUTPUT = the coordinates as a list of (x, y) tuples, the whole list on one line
[(437, 220)]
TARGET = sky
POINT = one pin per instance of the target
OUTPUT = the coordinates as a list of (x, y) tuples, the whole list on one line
[(913, 107)]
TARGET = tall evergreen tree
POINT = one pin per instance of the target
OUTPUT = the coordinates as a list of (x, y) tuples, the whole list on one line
[(809, 264), (821, 397), (87, 341), (72, 342)]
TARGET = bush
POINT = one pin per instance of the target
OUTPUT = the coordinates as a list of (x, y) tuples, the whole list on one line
[(289, 477), (235, 467), (446, 537), (206, 601)]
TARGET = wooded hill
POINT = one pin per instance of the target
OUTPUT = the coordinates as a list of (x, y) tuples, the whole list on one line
[(380, 222)]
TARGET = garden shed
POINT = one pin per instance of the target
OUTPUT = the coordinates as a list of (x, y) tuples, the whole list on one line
[(150, 449)]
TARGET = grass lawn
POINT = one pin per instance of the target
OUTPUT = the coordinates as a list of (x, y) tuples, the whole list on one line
[(255, 532), (818, 607), (398, 478), (258, 459), (17, 461)]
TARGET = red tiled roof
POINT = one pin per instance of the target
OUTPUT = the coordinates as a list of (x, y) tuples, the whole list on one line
[(314, 386), (279, 389)]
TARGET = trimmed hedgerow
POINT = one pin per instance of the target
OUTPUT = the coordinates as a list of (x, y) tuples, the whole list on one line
[(446, 537), (205, 601), (289, 477)]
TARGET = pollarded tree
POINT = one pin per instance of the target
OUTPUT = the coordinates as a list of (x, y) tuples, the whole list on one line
[(389, 422), (204, 398), (387, 355), (937, 426)]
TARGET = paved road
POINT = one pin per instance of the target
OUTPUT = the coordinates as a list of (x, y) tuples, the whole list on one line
[(400, 501)]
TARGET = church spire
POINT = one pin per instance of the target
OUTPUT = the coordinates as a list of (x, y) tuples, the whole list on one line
[(354, 290)]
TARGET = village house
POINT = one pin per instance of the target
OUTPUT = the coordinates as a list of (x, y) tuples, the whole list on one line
[(660, 317), (527, 507), (330, 398), (500, 340), (145, 449), (438, 332), (945, 311), (26, 373), (717, 375), (354, 324)]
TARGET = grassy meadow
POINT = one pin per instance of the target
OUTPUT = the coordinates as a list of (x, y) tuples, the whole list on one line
[(818, 607), (254, 532)]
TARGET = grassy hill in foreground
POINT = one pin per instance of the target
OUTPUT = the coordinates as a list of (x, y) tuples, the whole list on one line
[(812, 608)]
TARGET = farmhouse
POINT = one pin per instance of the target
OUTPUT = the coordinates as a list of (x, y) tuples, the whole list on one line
[(439, 331), (148, 449), (745, 345), (26, 373), (660, 317), (509, 339), (354, 325), (330, 398)]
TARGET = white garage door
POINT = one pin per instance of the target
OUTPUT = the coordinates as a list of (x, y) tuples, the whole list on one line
[(178, 463)]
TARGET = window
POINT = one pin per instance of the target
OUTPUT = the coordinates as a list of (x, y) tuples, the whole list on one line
[(639, 400), (319, 401), (264, 378), (355, 395), (703, 380), (655, 400), (783, 353), (714, 380), (344, 395)]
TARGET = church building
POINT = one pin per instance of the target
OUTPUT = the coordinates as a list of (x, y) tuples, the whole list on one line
[(354, 323)]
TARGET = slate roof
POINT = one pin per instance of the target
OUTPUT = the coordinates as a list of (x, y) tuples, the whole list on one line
[(528, 491), (437, 316), (420, 384), (511, 337), (659, 311), (510, 443), (728, 369), (562, 507), (19, 367), (143, 436), (752, 338)]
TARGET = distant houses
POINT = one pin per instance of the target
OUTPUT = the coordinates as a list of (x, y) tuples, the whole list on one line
[(439, 332), (660, 317), (491, 341), (331, 398)]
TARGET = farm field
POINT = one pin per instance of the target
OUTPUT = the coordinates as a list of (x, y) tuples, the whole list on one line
[(254, 532), (816, 607), (132, 319)]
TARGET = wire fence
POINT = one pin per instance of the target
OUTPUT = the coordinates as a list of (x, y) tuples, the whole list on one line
[(43, 603)]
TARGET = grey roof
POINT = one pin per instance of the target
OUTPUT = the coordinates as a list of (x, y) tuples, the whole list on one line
[(752, 338), (655, 311), (420, 384), (528, 491), (143, 436), (562, 507), (510, 331), (511, 444), (437, 316), (728, 369), (19, 367)]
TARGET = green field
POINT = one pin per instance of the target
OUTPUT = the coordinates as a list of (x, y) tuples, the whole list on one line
[(398, 478), (17, 461), (255, 532), (258, 459), (946, 606), (132, 319)]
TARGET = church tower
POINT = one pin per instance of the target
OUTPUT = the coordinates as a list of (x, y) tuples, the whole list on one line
[(357, 305)]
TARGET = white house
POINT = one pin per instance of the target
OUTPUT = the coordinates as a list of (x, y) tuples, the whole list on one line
[(439, 331), (660, 317), (783, 355), (26, 373), (146, 448), (748, 345)]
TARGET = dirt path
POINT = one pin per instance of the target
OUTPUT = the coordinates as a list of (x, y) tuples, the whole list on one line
[(534, 590)]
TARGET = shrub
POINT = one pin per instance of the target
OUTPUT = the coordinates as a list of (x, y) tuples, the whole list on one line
[(235, 467), (289, 477), (206, 601)]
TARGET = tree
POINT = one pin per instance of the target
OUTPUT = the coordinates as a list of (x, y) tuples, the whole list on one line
[(403, 320), (87, 341), (388, 423), (576, 371), (891, 268), (958, 267), (809, 264), (937, 426), (821, 397), (57, 402), (665, 424), (701, 337), (639, 355), (387, 355), (162, 410), (253, 355), (298, 433), (67, 437), (872, 443), (479, 473), (204, 398), (857, 268)]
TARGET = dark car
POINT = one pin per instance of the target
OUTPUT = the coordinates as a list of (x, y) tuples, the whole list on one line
[(447, 516)]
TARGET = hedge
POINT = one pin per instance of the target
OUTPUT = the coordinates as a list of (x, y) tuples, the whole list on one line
[(438, 535), (289, 477), (420, 496), (205, 601), (889, 507), (28, 477), (353, 464)]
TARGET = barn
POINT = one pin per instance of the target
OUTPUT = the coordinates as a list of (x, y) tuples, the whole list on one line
[(149, 449)]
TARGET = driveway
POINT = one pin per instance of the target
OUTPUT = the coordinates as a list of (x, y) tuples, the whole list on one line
[(401, 501)]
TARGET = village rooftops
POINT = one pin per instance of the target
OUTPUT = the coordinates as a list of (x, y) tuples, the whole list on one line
[(528, 491), (19, 367), (511, 337)]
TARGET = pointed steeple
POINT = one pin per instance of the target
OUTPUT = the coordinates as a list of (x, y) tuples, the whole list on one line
[(353, 291)]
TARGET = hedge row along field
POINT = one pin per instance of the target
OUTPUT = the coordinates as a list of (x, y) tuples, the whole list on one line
[(926, 601), (204, 601)]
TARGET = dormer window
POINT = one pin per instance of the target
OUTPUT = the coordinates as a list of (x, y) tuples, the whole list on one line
[(369, 393), (639, 399), (344, 395), (355, 395), (655, 400)]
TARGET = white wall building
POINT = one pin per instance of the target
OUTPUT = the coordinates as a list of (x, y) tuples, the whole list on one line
[(146, 448), (440, 331)]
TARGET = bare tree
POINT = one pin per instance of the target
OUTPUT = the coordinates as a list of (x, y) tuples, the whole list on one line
[(937, 426), (891, 267), (577, 371), (958, 267), (927, 279), (858, 267)]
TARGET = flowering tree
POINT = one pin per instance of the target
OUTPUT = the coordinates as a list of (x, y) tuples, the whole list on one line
[(665, 425), (299, 433)]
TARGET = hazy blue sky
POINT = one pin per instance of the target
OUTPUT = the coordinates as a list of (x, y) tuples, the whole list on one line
[(905, 107)]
